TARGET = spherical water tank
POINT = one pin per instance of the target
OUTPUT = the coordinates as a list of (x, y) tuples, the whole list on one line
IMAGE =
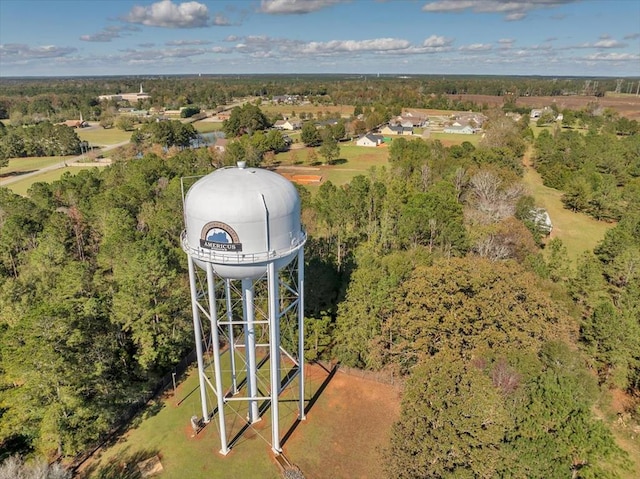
[(240, 219)]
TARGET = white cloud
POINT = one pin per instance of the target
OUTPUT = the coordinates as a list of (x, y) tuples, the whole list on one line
[(435, 41), (20, 51), (613, 57), (514, 17), (632, 36), (179, 43), (604, 42), (298, 7), (170, 15), (505, 43), (160, 54), (220, 50), (221, 21), (476, 47), (374, 45), (108, 33), (512, 9), (608, 43), (260, 46)]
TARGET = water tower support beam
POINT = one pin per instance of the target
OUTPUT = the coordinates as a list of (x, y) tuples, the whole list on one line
[(232, 340), (250, 348), (274, 354), (215, 339), (198, 339), (302, 416)]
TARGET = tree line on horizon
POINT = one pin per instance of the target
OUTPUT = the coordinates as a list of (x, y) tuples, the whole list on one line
[(25, 100)]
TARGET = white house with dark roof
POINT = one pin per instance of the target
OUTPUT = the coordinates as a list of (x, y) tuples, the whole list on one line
[(370, 140)]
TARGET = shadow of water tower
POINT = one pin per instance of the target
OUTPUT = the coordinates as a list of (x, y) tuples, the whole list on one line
[(244, 242)]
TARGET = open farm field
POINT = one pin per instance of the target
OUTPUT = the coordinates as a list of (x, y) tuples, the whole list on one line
[(627, 106), (344, 414)]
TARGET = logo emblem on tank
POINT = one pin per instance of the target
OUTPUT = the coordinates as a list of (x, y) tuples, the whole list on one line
[(220, 237)]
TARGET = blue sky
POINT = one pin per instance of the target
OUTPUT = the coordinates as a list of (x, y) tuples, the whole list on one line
[(138, 37)]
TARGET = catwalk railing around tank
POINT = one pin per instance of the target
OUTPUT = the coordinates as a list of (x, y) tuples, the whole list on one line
[(217, 257)]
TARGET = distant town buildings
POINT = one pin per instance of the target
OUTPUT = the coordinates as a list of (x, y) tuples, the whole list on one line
[(130, 97)]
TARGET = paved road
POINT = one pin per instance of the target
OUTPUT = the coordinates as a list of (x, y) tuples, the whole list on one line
[(62, 164)]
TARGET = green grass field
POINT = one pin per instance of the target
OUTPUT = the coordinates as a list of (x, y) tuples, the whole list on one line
[(348, 422), (207, 126), (22, 186), (449, 139), (165, 429), (353, 160), (22, 165), (103, 137), (578, 231)]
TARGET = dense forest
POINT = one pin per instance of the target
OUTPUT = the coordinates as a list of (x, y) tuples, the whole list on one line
[(430, 268)]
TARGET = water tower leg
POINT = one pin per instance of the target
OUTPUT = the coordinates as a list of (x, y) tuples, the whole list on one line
[(215, 339), (302, 416), (274, 355), (232, 340), (198, 339), (274, 329), (250, 347)]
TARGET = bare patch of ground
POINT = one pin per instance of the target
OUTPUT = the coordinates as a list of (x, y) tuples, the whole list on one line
[(346, 431)]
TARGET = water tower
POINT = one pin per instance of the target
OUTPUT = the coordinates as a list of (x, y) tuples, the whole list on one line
[(244, 243)]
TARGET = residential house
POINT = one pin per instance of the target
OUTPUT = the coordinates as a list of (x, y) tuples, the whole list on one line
[(370, 140), (396, 130), (535, 113), (460, 129), (413, 120), (288, 124), (286, 99), (221, 144), (475, 120)]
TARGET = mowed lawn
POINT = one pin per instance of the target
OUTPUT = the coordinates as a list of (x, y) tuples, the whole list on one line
[(207, 126), (18, 166), (348, 423), (449, 139), (21, 187), (578, 231), (353, 160), (99, 136)]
